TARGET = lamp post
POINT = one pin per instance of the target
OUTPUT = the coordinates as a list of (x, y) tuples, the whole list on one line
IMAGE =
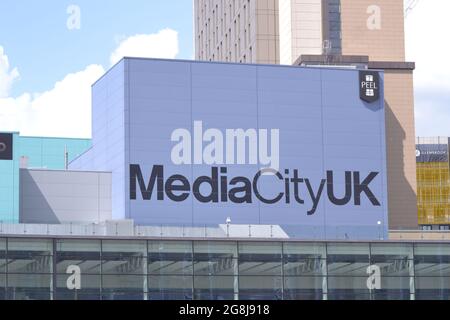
[(379, 230), (228, 226)]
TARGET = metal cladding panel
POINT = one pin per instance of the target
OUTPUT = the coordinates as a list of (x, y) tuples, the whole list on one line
[(332, 139), (54, 197), (109, 132)]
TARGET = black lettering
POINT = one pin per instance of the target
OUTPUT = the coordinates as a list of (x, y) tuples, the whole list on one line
[(146, 191), (287, 186), (348, 189), (296, 180), (213, 182), (170, 187), (315, 198), (246, 188), (255, 186), (223, 185), (364, 187)]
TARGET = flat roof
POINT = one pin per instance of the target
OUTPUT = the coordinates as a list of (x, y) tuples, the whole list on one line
[(226, 63)]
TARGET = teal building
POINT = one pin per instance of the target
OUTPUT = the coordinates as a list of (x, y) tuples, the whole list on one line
[(32, 152)]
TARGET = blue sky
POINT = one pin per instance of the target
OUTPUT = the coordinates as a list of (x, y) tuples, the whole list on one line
[(36, 39), (46, 69)]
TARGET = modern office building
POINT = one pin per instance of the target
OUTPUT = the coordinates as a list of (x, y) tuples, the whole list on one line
[(18, 152), (281, 31), (433, 183), (197, 143), (359, 33), (237, 31)]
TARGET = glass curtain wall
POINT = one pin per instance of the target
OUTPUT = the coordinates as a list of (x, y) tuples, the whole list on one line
[(83, 269)]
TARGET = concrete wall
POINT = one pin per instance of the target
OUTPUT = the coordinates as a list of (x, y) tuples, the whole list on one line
[(306, 28), (374, 28), (401, 149), (53, 197)]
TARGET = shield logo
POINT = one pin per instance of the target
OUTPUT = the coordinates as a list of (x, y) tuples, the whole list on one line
[(6, 146), (369, 86)]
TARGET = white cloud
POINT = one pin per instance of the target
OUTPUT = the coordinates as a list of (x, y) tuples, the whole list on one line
[(7, 77), (163, 44), (65, 110), (427, 45)]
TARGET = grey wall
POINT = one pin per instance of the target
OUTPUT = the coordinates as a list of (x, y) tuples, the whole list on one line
[(64, 196)]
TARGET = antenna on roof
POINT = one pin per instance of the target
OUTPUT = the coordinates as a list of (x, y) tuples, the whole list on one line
[(326, 47), (66, 158), (410, 5)]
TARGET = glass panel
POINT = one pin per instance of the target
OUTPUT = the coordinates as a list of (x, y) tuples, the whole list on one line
[(123, 287), (27, 294), (2, 258), (118, 295), (306, 249), (2, 286), (82, 295), (42, 246), (29, 256), (124, 246), (399, 250), (262, 258), (432, 260), (303, 288), (349, 259), (215, 288), (90, 288), (393, 288), (260, 288), (215, 249), (170, 287), (215, 258), (217, 266), (393, 259), (170, 257), (82, 253), (29, 286), (432, 288), (348, 288), (303, 259), (123, 257), (124, 282)]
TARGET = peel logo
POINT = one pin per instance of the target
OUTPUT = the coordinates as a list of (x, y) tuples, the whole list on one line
[(369, 86)]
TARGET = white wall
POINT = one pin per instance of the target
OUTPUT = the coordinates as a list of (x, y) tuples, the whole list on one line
[(51, 197), (285, 20), (300, 29)]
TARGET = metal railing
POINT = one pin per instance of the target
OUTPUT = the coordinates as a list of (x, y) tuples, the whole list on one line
[(127, 228)]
